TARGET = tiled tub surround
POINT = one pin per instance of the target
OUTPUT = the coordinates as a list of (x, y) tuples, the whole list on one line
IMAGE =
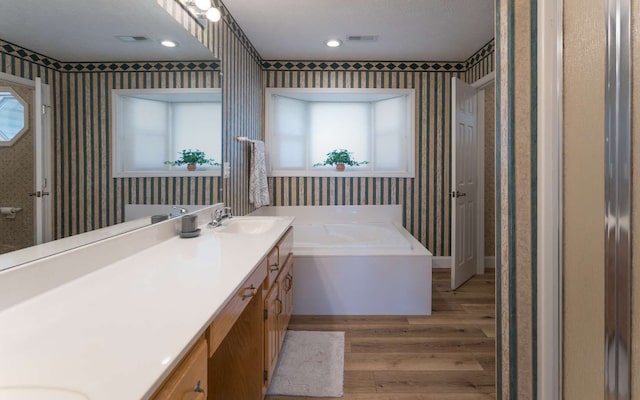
[(126, 312), (357, 260)]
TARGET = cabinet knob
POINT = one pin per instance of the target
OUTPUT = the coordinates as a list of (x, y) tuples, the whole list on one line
[(249, 292), (274, 268), (198, 389), (198, 393)]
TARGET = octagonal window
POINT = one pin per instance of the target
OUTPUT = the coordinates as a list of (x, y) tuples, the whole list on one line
[(13, 116)]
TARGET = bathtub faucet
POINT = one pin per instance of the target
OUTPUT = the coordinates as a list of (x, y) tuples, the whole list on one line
[(220, 214)]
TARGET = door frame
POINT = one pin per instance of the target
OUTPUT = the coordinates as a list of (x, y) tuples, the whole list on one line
[(42, 226), (550, 200), (480, 85)]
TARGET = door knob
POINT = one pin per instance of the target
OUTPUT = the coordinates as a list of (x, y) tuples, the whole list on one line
[(457, 193), (38, 194)]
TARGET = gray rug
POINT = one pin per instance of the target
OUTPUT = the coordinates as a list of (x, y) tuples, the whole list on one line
[(310, 364)]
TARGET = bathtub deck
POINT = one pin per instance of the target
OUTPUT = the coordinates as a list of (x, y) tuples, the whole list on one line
[(449, 355)]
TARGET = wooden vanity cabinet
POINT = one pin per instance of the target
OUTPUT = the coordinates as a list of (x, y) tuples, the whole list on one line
[(236, 340), (244, 339), (235, 369), (278, 306), (272, 332), (224, 321), (188, 381)]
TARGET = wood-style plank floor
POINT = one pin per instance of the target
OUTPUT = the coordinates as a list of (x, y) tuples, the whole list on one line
[(449, 355)]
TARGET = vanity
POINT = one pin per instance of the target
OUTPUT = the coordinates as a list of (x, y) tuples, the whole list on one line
[(163, 318)]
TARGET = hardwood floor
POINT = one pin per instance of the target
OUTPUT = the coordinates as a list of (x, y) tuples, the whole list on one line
[(449, 355)]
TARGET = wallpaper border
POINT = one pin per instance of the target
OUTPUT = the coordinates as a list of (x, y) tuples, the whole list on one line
[(477, 57), (87, 67), (386, 66)]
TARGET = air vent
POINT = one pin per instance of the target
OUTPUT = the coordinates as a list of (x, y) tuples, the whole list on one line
[(131, 39), (362, 38)]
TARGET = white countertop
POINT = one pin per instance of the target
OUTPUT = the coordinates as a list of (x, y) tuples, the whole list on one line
[(116, 333), (22, 256)]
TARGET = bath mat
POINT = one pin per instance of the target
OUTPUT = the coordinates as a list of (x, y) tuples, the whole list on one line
[(310, 364)]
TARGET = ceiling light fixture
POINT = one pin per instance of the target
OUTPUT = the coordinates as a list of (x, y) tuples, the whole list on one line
[(168, 43), (333, 42), (213, 14), (201, 10), (203, 5)]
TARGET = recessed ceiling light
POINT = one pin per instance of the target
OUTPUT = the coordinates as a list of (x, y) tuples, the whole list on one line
[(333, 42), (168, 43)]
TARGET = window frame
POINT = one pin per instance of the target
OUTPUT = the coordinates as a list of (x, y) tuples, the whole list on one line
[(25, 117), (116, 158), (331, 172)]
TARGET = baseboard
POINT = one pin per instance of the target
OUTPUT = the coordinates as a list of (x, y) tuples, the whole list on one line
[(445, 262), (441, 262)]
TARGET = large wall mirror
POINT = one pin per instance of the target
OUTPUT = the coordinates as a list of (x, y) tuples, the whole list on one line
[(85, 58)]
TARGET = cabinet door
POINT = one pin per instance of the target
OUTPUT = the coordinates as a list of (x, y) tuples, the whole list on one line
[(272, 329), (189, 380), (236, 366), (285, 280)]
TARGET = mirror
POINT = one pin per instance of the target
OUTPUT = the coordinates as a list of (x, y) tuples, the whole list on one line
[(108, 45)]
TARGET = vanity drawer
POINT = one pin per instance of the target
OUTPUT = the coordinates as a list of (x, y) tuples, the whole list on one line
[(278, 256), (189, 379), (224, 321), (273, 265), (285, 247)]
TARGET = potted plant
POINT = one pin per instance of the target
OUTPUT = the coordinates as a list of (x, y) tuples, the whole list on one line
[(192, 158), (340, 158)]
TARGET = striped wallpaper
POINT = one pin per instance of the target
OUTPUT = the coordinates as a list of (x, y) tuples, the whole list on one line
[(425, 199), (242, 96), (516, 203)]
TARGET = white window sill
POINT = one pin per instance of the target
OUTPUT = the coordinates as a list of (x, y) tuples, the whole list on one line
[(342, 174), (167, 173)]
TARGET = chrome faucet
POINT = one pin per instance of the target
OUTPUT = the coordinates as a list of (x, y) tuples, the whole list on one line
[(219, 215), (180, 211)]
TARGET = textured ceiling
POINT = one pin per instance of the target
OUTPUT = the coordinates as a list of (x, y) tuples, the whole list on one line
[(408, 30)]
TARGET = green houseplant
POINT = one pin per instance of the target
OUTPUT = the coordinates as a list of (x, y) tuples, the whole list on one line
[(192, 158), (340, 158)]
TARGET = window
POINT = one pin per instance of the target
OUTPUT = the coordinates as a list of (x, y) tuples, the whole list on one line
[(153, 126), (376, 125), (13, 117)]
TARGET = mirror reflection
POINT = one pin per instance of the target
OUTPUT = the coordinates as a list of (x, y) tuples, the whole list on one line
[(13, 116), (62, 173), (167, 132)]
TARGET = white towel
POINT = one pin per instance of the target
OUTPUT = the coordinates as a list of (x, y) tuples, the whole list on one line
[(258, 185)]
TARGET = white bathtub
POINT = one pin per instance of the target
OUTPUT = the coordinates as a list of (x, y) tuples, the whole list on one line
[(356, 260), (354, 236)]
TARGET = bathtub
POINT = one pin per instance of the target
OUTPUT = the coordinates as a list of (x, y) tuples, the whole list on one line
[(356, 260)]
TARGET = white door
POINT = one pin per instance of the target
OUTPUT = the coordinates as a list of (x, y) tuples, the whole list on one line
[(42, 142), (464, 182)]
